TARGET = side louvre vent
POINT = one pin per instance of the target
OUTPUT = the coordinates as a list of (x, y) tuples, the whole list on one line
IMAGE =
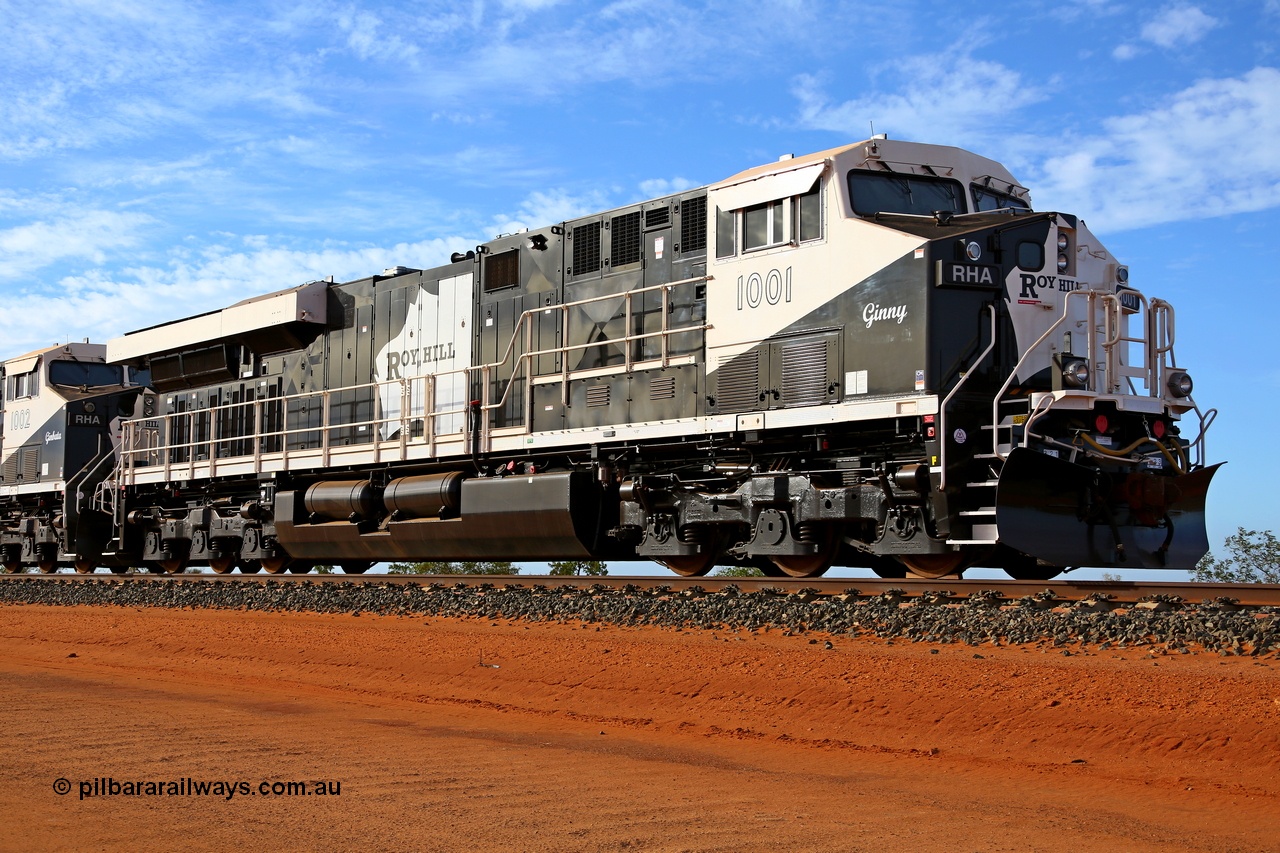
[(625, 248), (693, 225), (804, 373), (662, 388), (738, 382), (586, 248), (11, 468), (30, 463), (657, 217), (597, 395)]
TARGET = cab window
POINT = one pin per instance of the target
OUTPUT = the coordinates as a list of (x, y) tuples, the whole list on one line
[(985, 198), (893, 192)]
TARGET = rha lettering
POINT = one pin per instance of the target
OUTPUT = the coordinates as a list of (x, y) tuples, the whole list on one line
[(972, 274), (873, 313), (1030, 284), (411, 361)]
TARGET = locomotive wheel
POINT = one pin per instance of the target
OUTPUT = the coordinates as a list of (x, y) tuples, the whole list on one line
[(250, 567), (935, 566), (223, 565), (119, 570), (355, 568), (85, 567), (299, 568), (47, 566), (690, 565), (13, 568), (275, 565), (175, 566), (810, 565)]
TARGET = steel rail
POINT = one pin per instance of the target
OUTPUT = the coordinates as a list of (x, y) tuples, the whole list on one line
[(957, 589)]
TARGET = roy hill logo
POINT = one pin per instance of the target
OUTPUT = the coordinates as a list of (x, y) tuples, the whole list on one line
[(1032, 285), (411, 362)]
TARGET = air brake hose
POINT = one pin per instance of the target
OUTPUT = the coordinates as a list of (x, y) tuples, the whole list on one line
[(1122, 454)]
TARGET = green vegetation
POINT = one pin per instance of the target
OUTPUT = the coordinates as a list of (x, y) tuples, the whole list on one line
[(497, 567), (1253, 556), (593, 568), (737, 572)]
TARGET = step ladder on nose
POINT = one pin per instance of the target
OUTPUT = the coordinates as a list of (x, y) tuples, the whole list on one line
[(981, 519)]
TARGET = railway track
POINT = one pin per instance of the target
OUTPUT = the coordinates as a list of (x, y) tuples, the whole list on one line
[(944, 590)]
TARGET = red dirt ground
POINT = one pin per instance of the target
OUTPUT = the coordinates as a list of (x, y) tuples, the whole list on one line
[(472, 735)]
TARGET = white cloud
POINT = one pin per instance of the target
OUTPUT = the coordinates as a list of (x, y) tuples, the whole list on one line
[(1208, 152), (100, 305), (1178, 26), (1125, 52), (950, 96), (665, 186), (89, 235), (541, 209), (367, 41)]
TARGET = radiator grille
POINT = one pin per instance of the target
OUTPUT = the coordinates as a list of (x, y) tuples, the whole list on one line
[(597, 395), (657, 216), (586, 248), (662, 388), (625, 247), (738, 382), (804, 373), (11, 468), (693, 225)]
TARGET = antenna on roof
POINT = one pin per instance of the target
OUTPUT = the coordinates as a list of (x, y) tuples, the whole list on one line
[(873, 129)]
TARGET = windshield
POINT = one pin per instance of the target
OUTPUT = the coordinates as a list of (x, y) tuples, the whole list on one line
[(889, 192), (83, 374), (985, 198)]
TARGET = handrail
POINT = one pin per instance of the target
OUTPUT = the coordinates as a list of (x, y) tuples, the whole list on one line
[(995, 402), (408, 389), (942, 409)]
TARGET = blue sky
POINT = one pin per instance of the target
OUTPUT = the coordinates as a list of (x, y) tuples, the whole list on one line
[(161, 159)]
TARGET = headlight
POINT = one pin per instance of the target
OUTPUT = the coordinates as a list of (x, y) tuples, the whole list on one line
[(1076, 374), (1063, 263), (973, 251), (1122, 274), (1179, 384), (1062, 242)]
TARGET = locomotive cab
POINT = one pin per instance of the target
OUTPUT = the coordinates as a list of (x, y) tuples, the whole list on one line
[(62, 411)]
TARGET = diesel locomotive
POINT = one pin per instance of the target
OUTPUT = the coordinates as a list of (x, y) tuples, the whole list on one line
[(880, 355)]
